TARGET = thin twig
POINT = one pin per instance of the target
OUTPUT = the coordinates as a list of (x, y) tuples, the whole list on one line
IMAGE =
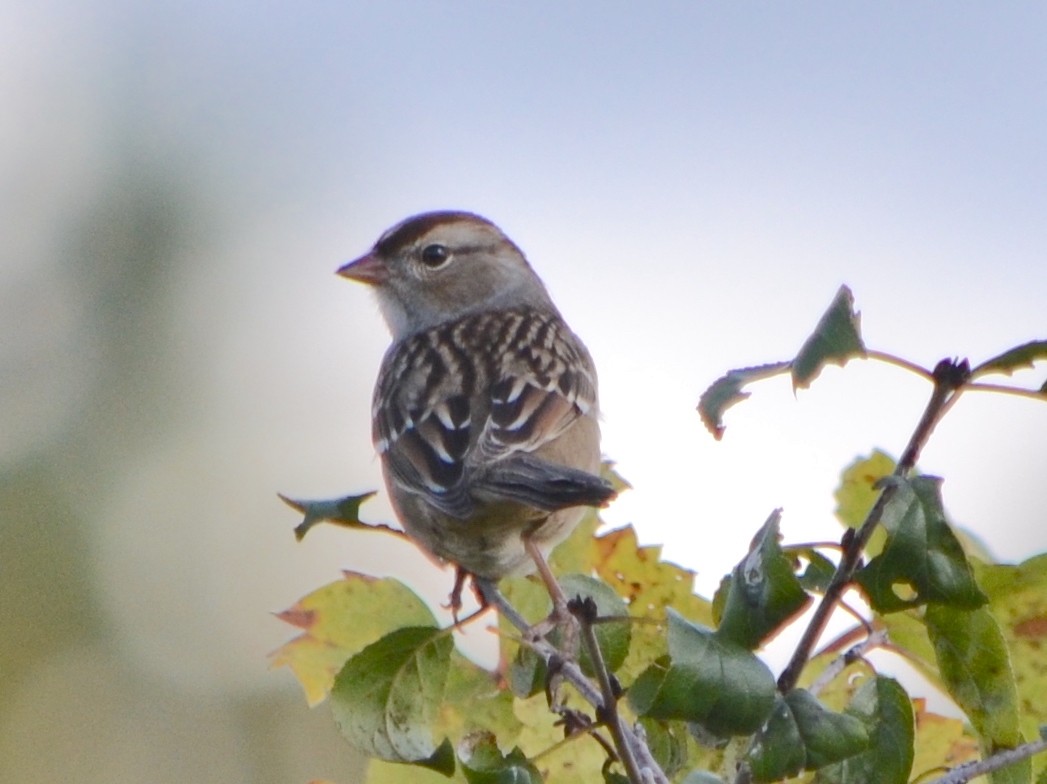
[(849, 637), (1033, 394), (964, 773), (905, 364), (851, 611), (585, 611), (837, 665), (794, 548), (949, 379), (649, 769)]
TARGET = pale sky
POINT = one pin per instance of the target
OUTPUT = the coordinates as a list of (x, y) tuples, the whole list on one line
[(693, 181)]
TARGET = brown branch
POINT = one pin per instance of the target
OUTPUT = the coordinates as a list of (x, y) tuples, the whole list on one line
[(586, 613), (647, 768), (1006, 389), (1002, 759), (841, 662), (949, 379), (904, 364)]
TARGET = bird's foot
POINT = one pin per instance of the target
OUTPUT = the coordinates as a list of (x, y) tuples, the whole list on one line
[(454, 601)]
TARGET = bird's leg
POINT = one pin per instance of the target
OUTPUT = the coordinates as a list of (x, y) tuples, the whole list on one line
[(556, 593), (561, 617), (454, 603)]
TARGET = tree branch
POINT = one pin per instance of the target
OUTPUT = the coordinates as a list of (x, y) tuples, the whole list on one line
[(964, 773), (949, 378), (646, 769), (841, 662), (904, 364), (1005, 389), (586, 613)]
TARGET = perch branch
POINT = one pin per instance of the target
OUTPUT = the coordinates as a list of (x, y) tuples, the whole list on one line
[(647, 769), (949, 379)]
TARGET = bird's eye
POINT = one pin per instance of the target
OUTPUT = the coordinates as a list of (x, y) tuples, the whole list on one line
[(435, 255)]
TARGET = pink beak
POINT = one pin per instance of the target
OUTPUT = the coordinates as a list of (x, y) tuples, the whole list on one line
[(369, 269)]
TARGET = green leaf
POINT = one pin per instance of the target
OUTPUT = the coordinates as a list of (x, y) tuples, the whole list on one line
[(339, 620), (976, 670), (474, 700), (827, 736), (526, 673), (387, 697), (801, 734), (762, 592), (727, 390), (1023, 356), (922, 560), (836, 339), (882, 705), (667, 742), (1018, 601), (484, 763), (441, 760), (706, 679), (612, 636), (819, 572), (344, 512)]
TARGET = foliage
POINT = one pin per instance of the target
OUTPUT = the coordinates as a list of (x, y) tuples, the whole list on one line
[(653, 683)]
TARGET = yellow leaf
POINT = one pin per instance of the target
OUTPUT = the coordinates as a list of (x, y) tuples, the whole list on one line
[(649, 586), (857, 492), (1018, 600), (940, 742), (541, 739), (341, 619)]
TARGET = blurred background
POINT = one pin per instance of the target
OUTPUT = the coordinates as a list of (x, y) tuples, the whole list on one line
[(692, 180)]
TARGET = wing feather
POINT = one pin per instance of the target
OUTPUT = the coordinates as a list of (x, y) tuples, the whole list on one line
[(476, 392)]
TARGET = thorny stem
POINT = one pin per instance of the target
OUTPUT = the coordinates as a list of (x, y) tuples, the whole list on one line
[(586, 613), (649, 771), (949, 379)]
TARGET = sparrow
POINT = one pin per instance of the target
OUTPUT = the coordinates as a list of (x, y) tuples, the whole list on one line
[(485, 412)]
